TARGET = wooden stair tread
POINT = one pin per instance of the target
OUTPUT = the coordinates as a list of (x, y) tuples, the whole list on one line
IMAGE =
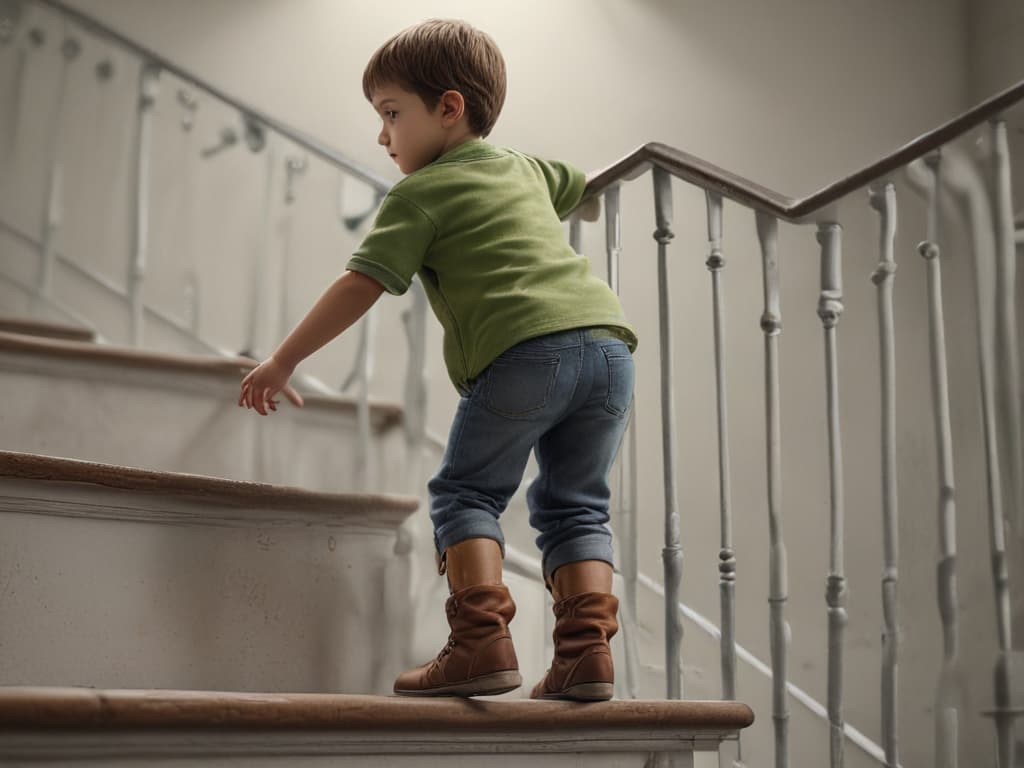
[(207, 490), (29, 327), (79, 708), (384, 415)]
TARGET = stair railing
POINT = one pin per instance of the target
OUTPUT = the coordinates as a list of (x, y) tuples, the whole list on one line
[(997, 323), (258, 130)]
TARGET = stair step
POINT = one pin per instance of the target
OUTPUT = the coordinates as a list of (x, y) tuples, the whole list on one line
[(121, 577), (256, 498), (178, 412), (44, 723), (29, 327), (384, 415)]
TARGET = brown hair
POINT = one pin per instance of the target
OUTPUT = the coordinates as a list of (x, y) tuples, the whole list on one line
[(441, 55)]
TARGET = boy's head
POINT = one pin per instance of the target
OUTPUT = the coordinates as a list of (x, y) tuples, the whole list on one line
[(442, 55)]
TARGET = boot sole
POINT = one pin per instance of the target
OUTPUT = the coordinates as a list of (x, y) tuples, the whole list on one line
[(584, 692), (486, 685)]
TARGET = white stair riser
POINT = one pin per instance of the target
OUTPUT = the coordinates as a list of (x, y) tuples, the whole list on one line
[(316, 749), (184, 422), (277, 605)]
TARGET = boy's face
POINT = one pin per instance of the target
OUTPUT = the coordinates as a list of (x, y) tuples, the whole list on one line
[(412, 134)]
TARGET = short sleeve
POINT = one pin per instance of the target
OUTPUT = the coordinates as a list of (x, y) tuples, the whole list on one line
[(565, 184), (393, 250)]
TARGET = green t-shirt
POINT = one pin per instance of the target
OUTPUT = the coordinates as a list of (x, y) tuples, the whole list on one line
[(481, 227)]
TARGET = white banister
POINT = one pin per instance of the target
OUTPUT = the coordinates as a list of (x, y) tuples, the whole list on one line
[(1008, 358), (715, 263), (1006, 336), (672, 553), (149, 87), (626, 471), (949, 695), (830, 308), (778, 591), (884, 201), (70, 50)]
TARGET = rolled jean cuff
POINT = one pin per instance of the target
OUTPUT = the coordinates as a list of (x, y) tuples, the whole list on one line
[(471, 524), (592, 546)]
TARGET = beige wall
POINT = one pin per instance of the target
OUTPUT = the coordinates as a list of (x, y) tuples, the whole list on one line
[(790, 94)]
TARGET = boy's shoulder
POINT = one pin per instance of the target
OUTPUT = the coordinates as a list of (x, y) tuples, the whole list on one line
[(449, 168)]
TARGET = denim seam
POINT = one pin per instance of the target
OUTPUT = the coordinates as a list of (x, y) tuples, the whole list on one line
[(579, 375), (449, 467)]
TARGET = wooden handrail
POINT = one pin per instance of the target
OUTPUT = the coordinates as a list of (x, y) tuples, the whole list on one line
[(703, 174)]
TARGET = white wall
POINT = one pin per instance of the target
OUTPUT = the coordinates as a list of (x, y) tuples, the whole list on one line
[(790, 94)]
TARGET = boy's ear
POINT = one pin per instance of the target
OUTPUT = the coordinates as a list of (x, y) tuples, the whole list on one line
[(453, 107)]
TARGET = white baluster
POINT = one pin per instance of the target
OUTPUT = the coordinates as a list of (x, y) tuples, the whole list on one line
[(149, 86), (949, 695), (70, 51), (885, 203), (830, 308), (1006, 339), (261, 267), (778, 590), (727, 560), (627, 488), (613, 233), (414, 319), (576, 232), (1006, 316), (672, 554), (361, 374)]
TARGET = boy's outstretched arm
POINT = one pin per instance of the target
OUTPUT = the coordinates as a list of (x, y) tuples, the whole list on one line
[(344, 302)]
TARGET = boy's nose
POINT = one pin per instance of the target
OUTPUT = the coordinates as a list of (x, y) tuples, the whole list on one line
[(382, 138)]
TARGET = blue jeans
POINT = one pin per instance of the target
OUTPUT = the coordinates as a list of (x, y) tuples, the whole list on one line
[(566, 396)]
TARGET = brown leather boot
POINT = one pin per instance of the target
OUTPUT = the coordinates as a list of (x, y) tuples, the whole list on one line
[(478, 659), (582, 669)]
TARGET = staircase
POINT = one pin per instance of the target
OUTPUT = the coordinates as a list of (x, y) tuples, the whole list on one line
[(184, 608)]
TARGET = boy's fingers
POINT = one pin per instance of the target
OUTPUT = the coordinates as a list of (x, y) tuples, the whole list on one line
[(265, 400)]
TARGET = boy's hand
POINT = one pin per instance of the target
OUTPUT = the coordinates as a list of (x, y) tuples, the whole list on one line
[(265, 381)]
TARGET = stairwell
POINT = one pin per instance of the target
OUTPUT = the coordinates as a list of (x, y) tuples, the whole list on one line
[(204, 581), (151, 615)]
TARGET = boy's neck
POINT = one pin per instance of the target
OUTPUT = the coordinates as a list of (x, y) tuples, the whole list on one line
[(457, 139)]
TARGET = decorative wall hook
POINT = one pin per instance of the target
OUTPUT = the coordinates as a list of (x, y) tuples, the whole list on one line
[(254, 132), (228, 138)]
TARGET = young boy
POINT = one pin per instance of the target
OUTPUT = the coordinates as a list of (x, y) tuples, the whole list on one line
[(536, 345)]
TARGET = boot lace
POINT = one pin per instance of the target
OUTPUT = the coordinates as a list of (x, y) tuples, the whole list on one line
[(448, 647)]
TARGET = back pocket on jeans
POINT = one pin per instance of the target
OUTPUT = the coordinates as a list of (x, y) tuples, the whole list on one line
[(620, 380), (517, 387)]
